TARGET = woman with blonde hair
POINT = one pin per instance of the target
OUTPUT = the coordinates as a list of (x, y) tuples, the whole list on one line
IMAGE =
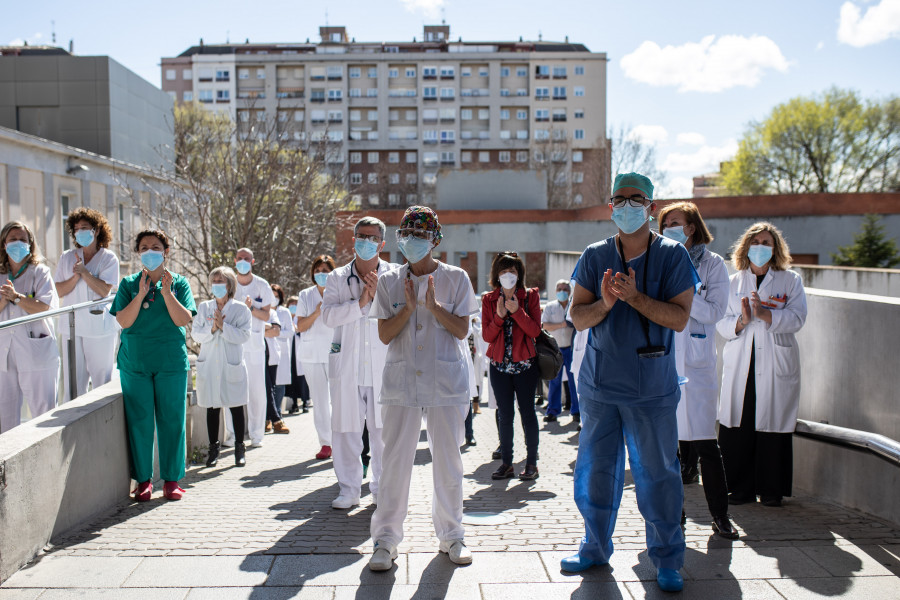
[(29, 358), (761, 376)]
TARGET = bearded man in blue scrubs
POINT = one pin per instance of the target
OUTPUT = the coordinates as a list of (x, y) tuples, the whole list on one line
[(632, 291)]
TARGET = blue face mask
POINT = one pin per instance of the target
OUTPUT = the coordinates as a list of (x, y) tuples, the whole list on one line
[(760, 255), (292, 309), (151, 259), (562, 296), (219, 290), (629, 218), (320, 278), (242, 266), (675, 233), (18, 251), (414, 249), (84, 237), (365, 249)]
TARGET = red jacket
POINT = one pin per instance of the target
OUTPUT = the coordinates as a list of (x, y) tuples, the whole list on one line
[(526, 325)]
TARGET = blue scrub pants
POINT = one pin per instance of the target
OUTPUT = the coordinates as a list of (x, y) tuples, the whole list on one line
[(651, 434), (554, 392)]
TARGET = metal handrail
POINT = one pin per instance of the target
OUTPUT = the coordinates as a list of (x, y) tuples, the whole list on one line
[(71, 343), (879, 445)]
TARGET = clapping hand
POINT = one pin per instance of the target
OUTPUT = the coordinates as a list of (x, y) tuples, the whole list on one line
[(430, 302), (759, 310), (218, 319), (409, 292), (144, 283), (79, 269), (624, 286), (248, 302), (501, 306), (607, 294), (8, 291), (370, 282), (166, 282), (512, 305)]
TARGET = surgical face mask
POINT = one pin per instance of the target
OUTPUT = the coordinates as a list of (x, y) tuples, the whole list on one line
[(320, 278), (562, 296), (151, 259), (18, 251), (759, 255), (508, 280), (219, 290), (292, 309), (414, 249), (243, 267), (675, 233), (629, 218), (84, 237), (365, 249)]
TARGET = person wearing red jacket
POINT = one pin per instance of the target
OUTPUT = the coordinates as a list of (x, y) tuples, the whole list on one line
[(511, 320)]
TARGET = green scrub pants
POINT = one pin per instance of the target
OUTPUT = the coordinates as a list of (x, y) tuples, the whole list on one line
[(159, 397)]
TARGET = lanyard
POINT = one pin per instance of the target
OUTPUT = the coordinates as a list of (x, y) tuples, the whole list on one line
[(645, 323), (16, 276)]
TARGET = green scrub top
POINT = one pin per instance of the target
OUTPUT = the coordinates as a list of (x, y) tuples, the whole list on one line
[(153, 343)]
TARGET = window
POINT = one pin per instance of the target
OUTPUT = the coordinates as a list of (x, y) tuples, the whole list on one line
[(504, 114), (355, 178), (170, 74), (372, 93), (466, 71), (504, 92), (541, 93), (243, 73), (430, 159), (355, 92), (317, 73), (335, 95), (393, 157), (522, 115), (411, 72), (411, 199), (484, 157), (372, 178), (448, 72), (538, 156), (317, 96), (429, 72), (372, 115), (260, 115), (335, 116), (482, 71), (447, 93), (355, 157), (448, 158), (542, 71), (372, 157), (522, 156), (260, 73), (448, 114), (411, 157), (559, 134), (579, 91), (354, 72), (542, 114), (373, 199), (448, 136), (393, 73), (429, 93), (541, 134), (187, 74), (559, 92), (578, 199), (484, 114), (559, 72), (504, 156), (222, 75), (410, 115), (243, 115), (317, 116), (298, 73), (559, 115), (335, 73), (578, 113), (355, 115), (394, 115), (299, 116), (282, 116), (429, 115), (577, 156), (206, 75), (579, 134), (558, 156), (579, 70), (522, 134), (504, 71), (411, 178), (521, 92), (521, 71), (173, 95), (373, 72), (465, 114), (577, 177), (430, 136), (393, 199), (465, 157), (187, 96), (223, 95)]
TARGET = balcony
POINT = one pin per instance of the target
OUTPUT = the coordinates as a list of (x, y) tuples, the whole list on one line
[(289, 93), (252, 94), (559, 118)]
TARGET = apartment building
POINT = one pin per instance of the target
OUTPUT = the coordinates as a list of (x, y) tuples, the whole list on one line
[(398, 115)]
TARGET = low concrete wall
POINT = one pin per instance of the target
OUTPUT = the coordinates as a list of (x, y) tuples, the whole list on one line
[(879, 282), (59, 470)]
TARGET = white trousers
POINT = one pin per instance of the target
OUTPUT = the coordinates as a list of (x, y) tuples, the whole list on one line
[(402, 426), (317, 379), (39, 388), (346, 448), (256, 406), (94, 359)]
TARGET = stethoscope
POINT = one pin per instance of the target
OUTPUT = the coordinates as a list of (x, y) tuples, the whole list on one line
[(353, 275)]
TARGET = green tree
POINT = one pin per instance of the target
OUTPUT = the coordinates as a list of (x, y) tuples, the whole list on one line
[(832, 142), (870, 248)]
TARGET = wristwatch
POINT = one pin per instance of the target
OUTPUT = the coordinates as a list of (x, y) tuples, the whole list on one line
[(17, 300)]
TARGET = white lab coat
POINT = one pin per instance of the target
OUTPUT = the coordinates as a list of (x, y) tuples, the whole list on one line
[(341, 312), (286, 320), (221, 370), (314, 344), (695, 352), (777, 358)]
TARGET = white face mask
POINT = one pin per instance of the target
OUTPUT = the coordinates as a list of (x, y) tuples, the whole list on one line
[(508, 280)]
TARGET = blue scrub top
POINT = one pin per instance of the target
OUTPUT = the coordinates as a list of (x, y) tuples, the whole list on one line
[(612, 371)]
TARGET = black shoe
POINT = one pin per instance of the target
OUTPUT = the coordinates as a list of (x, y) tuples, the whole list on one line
[(550, 419), (505, 471), (239, 451), (529, 474), (732, 499), (773, 501), (538, 401), (723, 527), (690, 476), (576, 418), (683, 520), (567, 406), (470, 442), (496, 454), (212, 457)]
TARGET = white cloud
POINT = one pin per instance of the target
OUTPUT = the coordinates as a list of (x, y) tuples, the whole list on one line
[(705, 159), (429, 8), (880, 23), (691, 138), (712, 65), (677, 188), (17, 42), (649, 134), (820, 46)]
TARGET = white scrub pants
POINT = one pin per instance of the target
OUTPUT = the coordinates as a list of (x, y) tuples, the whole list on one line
[(256, 406), (39, 388), (346, 448), (94, 359), (317, 379), (402, 425)]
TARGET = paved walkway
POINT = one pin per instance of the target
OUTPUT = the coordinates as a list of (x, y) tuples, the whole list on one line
[(268, 531)]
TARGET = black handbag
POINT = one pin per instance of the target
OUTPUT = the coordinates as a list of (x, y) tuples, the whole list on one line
[(548, 355)]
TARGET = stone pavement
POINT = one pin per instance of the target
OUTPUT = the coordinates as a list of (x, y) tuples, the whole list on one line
[(268, 532)]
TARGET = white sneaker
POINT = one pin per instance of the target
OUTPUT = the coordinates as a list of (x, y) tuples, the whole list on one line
[(344, 502), (256, 444), (457, 551), (382, 559)]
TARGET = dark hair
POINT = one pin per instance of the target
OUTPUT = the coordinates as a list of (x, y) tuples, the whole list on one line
[(503, 261), (692, 217), (157, 233), (98, 223), (278, 292), (322, 259)]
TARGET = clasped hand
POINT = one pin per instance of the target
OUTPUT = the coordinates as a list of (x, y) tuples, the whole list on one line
[(8, 291), (507, 305), (618, 286), (370, 286)]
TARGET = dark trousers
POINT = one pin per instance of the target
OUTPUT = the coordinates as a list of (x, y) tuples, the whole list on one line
[(554, 387), (468, 424), (757, 463), (509, 390), (273, 410), (212, 424), (713, 471), (297, 389)]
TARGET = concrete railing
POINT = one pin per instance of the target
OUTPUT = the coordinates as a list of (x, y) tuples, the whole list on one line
[(879, 282)]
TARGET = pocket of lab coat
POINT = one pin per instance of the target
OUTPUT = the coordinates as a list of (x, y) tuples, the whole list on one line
[(656, 376), (393, 382), (787, 360), (41, 353), (451, 377), (235, 373), (700, 352)]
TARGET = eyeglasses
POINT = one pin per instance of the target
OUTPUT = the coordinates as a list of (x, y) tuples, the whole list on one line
[(508, 253), (422, 234), (370, 238), (636, 201)]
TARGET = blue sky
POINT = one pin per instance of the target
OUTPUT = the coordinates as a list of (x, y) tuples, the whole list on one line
[(686, 76)]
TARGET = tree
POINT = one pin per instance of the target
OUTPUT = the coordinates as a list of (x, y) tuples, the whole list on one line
[(833, 142), (870, 248), (245, 184), (629, 153)]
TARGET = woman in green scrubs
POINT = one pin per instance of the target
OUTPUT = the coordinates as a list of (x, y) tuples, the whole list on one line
[(153, 307)]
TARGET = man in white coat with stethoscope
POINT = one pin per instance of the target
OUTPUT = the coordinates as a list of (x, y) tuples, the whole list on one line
[(356, 362)]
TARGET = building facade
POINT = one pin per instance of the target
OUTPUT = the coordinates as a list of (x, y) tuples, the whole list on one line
[(399, 115)]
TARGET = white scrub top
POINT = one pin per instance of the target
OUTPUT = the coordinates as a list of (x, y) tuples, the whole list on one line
[(261, 295), (315, 343), (34, 343), (104, 266)]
